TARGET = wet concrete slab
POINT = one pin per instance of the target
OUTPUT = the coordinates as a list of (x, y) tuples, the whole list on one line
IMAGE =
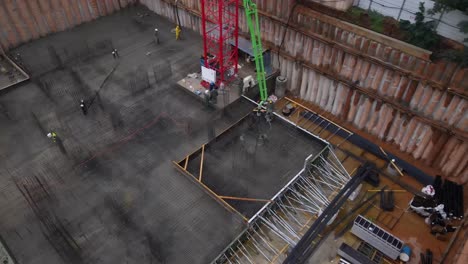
[(253, 159)]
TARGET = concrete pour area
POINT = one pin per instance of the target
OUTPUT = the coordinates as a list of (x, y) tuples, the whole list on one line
[(253, 159), (106, 191)]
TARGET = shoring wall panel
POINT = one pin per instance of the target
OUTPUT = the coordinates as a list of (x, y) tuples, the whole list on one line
[(24, 20), (40, 21)]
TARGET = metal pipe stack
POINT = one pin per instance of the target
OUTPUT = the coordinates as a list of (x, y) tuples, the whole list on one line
[(450, 195)]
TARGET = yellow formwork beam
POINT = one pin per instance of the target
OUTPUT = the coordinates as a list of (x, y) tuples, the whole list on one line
[(186, 162), (227, 205), (201, 163), (245, 199)]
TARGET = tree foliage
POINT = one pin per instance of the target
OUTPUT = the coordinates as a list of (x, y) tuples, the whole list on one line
[(441, 5), (422, 34), (447, 5)]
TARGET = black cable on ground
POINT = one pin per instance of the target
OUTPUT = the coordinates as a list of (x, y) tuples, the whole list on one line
[(102, 85)]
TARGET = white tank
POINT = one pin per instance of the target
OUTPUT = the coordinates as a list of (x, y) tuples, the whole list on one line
[(280, 86)]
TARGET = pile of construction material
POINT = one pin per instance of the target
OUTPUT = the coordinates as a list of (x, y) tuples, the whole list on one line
[(441, 204), (450, 195)]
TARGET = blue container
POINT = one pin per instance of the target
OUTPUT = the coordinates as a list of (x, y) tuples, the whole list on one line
[(405, 253)]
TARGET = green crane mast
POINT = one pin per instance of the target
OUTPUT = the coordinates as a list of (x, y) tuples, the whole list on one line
[(251, 13)]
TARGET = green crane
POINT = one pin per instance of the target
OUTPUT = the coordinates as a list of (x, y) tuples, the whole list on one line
[(251, 13)]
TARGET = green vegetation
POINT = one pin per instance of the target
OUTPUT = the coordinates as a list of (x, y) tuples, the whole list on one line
[(447, 5), (422, 34), (371, 19), (459, 56), (377, 21)]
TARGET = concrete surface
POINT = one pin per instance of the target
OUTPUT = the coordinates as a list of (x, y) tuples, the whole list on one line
[(107, 192), (254, 159)]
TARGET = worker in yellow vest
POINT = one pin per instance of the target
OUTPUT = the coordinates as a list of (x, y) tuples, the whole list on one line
[(52, 135), (177, 32)]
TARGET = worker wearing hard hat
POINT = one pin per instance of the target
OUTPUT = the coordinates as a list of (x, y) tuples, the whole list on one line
[(83, 107), (52, 135), (177, 32), (156, 36), (249, 82)]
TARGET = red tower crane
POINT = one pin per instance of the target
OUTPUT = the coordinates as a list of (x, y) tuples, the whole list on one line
[(220, 26)]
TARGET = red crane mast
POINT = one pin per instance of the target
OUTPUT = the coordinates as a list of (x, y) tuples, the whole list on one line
[(220, 26)]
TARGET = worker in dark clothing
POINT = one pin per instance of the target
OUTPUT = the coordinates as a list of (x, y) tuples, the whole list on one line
[(212, 86), (156, 36), (115, 53), (207, 96), (269, 111), (83, 107), (240, 85), (214, 96)]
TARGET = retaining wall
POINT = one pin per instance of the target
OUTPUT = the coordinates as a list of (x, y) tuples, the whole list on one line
[(25, 20)]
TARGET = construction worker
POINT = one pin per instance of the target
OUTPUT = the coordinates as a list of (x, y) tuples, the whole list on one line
[(269, 111), (115, 53), (207, 96), (52, 135), (83, 107), (249, 82), (212, 86), (214, 95), (240, 84), (18, 58), (156, 36), (177, 32)]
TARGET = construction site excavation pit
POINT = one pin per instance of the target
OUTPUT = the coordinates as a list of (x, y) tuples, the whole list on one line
[(127, 135)]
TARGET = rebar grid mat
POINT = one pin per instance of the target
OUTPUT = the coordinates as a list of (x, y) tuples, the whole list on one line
[(42, 201), (280, 224)]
